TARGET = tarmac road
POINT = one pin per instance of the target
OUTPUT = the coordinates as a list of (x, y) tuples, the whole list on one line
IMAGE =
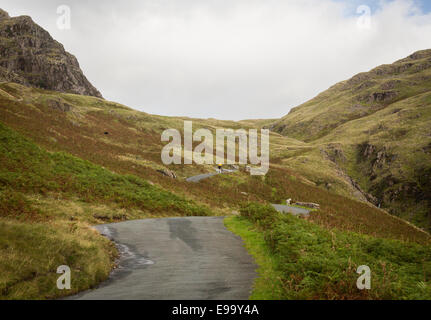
[(293, 210), (176, 258), (208, 175), (201, 177)]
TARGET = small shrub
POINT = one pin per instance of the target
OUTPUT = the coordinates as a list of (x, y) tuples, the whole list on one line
[(262, 215)]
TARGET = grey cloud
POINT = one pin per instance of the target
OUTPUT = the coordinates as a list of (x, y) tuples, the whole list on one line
[(231, 59)]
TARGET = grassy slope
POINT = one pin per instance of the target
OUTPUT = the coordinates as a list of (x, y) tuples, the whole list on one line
[(38, 229), (54, 187), (347, 116), (30, 254), (268, 285), (133, 147), (300, 260)]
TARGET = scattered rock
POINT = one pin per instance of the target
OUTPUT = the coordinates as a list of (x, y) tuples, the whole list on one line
[(389, 85), (58, 105), (336, 152), (382, 96), (366, 84), (167, 173), (369, 150), (357, 79)]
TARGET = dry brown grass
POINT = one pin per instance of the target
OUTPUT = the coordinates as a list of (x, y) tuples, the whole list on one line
[(83, 136)]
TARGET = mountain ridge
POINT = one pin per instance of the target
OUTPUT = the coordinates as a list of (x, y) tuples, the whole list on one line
[(375, 128), (30, 56)]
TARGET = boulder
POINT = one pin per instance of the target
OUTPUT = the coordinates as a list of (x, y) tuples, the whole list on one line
[(167, 173)]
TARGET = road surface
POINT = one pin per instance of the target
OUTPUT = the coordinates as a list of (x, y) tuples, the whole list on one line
[(178, 259), (201, 177), (280, 208), (293, 210), (207, 175)]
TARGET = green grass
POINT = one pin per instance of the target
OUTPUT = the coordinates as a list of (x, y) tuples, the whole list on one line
[(315, 263), (268, 285), (345, 116), (27, 168), (106, 178), (30, 254), (48, 201)]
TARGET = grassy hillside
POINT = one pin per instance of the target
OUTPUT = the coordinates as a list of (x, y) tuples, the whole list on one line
[(47, 203), (77, 125), (300, 260), (373, 129), (69, 161)]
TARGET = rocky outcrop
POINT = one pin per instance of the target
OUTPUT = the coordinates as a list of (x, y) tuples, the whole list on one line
[(30, 56), (376, 157), (167, 173), (382, 96), (338, 155), (60, 106), (4, 15)]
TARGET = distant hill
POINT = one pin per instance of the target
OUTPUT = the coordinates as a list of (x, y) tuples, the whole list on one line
[(375, 129), (30, 56)]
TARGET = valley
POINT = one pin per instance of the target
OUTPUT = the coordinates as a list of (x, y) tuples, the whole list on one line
[(71, 162)]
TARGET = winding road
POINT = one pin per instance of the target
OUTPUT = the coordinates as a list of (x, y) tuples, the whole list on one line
[(188, 258), (280, 208), (191, 258), (208, 175), (293, 210), (201, 177)]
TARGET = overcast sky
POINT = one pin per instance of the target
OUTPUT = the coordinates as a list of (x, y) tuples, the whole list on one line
[(229, 59)]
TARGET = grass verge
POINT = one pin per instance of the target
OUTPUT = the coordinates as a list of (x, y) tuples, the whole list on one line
[(30, 254), (307, 261), (268, 285)]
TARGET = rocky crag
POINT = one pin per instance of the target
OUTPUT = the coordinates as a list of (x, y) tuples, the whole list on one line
[(30, 56)]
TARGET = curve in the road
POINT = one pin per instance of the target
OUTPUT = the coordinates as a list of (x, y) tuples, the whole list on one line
[(207, 175), (176, 259)]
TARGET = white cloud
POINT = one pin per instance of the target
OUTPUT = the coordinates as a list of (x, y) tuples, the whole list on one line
[(231, 59)]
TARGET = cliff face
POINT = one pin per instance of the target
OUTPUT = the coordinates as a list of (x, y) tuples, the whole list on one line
[(30, 56)]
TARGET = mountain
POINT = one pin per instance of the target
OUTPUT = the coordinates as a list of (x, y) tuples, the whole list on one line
[(70, 159), (374, 130), (30, 56)]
